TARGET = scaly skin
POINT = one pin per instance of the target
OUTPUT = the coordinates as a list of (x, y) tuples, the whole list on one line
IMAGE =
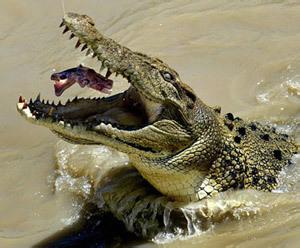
[(181, 146)]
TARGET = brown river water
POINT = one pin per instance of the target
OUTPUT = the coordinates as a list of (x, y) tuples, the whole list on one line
[(241, 55)]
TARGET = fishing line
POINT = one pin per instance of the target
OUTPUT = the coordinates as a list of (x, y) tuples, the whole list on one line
[(63, 6)]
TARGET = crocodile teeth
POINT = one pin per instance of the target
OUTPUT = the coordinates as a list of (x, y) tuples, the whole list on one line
[(84, 47), (102, 67), (38, 98), (77, 44), (71, 36), (66, 30), (25, 105), (108, 73), (22, 105), (88, 52), (21, 99)]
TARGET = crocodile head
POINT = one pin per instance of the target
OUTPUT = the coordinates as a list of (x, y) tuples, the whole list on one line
[(156, 121)]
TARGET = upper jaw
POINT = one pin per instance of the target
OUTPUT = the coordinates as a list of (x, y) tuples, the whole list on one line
[(110, 54), (141, 71)]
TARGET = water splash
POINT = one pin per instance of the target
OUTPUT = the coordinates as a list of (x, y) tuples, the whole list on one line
[(284, 87), (103, 176), (268, 92)]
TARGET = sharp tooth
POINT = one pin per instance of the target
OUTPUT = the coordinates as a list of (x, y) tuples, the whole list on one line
[(62, 23), (28, 113), (88, 52), (66, 30), (84, 47), (108, 73), (21, 99), (77, 44), (20, 105), (38, 98), (71, 36), (102, 67), (25, 105)]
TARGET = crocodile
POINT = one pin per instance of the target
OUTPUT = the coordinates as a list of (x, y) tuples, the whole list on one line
[(184, 148)]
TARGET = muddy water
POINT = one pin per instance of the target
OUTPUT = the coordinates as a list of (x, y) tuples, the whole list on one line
[(242, 55)]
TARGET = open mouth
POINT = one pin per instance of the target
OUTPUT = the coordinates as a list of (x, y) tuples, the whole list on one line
[(140, 120), (123, 111), (128, 110)]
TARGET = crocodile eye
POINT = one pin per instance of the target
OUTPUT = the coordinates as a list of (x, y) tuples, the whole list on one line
[(167, 76)]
